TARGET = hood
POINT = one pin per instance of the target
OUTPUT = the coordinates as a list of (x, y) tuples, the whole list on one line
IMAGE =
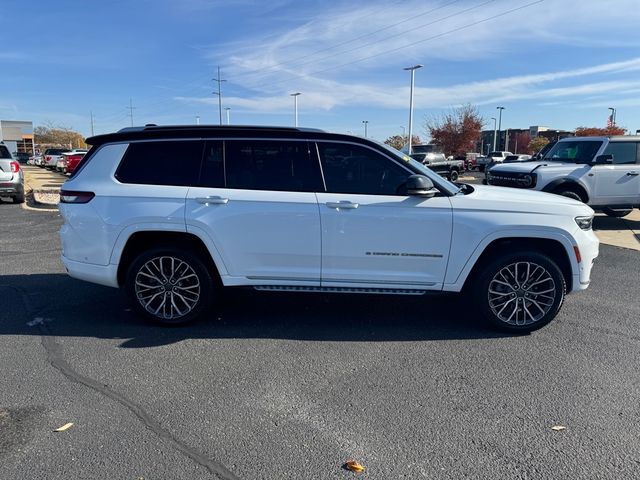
[(527, 167), (506, 199)]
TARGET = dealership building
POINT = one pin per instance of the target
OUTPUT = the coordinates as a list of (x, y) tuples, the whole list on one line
[(17, 135)]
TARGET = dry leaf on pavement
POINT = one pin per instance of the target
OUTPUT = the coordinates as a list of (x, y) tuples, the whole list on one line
[(354, 466), (64, 427), (557, 428)]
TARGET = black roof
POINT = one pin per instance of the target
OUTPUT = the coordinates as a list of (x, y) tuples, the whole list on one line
[(204, 131)]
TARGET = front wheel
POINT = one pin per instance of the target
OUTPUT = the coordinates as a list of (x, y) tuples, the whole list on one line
[(569, 194), (453, 175), (169, 286), (520, 292), (618, 212)]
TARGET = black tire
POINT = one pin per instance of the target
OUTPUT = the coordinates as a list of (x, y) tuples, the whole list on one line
[(481, 168), (549, 294), (143, 264), (618, 212), (569, 194), (18, 199), (453, 175)]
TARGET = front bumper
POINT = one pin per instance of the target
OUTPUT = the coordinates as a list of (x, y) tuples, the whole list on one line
[(589, 247)]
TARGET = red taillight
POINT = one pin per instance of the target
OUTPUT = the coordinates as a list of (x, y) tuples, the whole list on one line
[(74, 157), (47, 157), (15, 167), (68, 196)]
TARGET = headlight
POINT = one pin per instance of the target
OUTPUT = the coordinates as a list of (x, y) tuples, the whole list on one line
[(585, 222)]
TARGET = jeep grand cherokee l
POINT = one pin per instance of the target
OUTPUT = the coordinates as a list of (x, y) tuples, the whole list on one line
[(174, 215)]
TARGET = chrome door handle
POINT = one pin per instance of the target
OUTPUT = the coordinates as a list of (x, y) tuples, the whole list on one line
[(342, 205), (632, 174), (213, 200)]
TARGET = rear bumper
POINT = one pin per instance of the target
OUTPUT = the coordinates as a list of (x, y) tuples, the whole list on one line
[(10, 189), (106, 275)]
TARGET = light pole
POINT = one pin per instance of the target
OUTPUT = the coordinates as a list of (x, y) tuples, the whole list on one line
[(500, 121), (295, 106), (197, 119), (366, 122), (495, 132), (613, 116), (219, 93), (228, 109), (413, 76)]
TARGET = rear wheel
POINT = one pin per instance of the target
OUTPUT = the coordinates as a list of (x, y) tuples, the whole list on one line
[(520, 292), (18, 199), (618, 212), (169, 286)]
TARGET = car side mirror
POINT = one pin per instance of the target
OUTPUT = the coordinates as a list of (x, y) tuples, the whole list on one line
[(420, 186), (603, 159)]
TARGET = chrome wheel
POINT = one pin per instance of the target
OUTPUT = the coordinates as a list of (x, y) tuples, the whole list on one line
[(521, 293), (167, 287)]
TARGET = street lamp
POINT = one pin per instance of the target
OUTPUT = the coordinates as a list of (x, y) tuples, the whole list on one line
[(366, 122), (295, 106), (413, 75), (613, 116), (495, 132), (197, 119), (228, 109), (500, 120)]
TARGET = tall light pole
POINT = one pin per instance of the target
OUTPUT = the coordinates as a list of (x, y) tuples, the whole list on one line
[(366, 122), (613, 116), (500, 120), (495, 132), (413, 76), (228, 109), (295, 106), (219, 93)]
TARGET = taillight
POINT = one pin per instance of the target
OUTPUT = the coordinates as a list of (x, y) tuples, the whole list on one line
[(68, 196), (15, 167)]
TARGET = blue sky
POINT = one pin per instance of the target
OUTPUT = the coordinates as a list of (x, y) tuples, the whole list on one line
[(557, 63)]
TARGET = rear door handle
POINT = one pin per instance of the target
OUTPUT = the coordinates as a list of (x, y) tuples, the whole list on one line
[(342, 205), (213, 200), (632, 174)]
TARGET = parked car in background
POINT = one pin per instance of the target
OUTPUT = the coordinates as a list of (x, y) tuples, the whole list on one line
[(472, 160), (493, 157), (11, 176), (448, 168), (51, 156), (70, 160), (302, 210), (603, 172), (21, 157), (517, 158)]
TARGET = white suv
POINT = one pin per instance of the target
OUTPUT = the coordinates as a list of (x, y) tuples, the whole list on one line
[(173, 214), (603, 172)]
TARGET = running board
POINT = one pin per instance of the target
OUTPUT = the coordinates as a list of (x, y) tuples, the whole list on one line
[(383, 291)]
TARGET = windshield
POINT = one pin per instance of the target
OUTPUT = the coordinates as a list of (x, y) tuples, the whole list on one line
[(495, 154), (574, 151), (425, 148)]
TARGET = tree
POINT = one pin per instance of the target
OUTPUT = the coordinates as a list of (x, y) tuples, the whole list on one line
[(398, 141), (536, 144), (456, 131), (56, 135), (521, 142), (599, 132)]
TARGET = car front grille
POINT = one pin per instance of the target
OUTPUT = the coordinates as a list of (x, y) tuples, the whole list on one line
[(509, 179)]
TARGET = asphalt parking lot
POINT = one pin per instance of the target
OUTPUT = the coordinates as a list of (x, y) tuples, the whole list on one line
[(291, 386)]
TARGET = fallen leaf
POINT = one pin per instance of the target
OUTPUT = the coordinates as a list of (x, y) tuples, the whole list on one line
[(354, 466), (64, 427), (557, 428)]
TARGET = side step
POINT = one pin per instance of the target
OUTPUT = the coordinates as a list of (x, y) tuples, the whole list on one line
[(383, 291)]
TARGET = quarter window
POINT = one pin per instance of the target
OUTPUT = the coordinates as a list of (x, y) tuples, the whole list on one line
[(349, 168), (623, 152), (161, 163), (271, 165)]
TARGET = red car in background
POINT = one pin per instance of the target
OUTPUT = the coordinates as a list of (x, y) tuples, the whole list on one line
[(70, 160)]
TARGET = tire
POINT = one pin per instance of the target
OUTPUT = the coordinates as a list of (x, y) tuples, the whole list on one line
[(496, 288), (453, 175), (481, 168), (197, 292), (569, 194), (618, 212), (18, 199)]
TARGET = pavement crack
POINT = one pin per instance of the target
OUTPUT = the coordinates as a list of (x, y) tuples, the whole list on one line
[(57, 361)]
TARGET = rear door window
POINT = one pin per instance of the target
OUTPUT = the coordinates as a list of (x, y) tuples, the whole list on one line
[(212, 172), (278, 165), (172, 162), (623, 152)]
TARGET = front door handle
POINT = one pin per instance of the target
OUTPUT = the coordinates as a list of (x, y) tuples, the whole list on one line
[(342, 205), (633, 174), (213, 200)]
